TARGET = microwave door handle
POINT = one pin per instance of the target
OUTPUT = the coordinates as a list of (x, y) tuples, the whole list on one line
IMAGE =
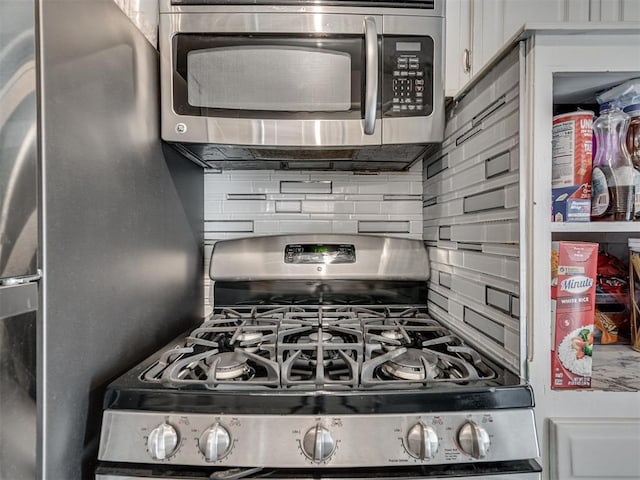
[(371, 74)]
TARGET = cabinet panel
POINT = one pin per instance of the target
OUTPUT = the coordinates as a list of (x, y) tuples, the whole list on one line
[(574, 441), (496, 21), (614, 11), (458, 45)]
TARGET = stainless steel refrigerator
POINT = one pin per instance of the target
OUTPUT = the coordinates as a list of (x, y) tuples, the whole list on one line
[(100, 227)]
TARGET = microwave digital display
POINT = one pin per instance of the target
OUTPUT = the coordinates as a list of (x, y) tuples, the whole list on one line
[(408, 46)]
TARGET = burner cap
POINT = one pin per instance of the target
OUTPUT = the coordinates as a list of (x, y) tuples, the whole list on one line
[(326, 336), (392, 334), (231, 365), (411, 365), (250, 337), (251, 340)]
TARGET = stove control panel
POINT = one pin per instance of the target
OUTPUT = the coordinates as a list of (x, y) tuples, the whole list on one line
[(308, 441)]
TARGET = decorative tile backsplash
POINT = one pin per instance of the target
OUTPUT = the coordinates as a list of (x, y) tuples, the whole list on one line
[(246, 203), (242, 203)]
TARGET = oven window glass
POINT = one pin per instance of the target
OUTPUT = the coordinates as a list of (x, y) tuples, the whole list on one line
[(267, 76)]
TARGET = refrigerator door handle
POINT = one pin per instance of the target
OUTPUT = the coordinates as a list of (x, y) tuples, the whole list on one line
[(21, 280)]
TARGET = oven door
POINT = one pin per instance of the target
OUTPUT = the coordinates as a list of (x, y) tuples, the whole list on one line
[(296, 80)]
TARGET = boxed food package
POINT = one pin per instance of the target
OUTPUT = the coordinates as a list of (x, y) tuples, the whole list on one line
[(571, 204), (571, 164), (573, 290)]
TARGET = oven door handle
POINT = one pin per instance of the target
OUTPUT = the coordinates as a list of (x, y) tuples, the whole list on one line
[(371, 74), (234, 473)]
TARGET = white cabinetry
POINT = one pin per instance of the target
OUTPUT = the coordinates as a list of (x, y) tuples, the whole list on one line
[(563, 65), (557, 65), (614, 10), (478, 29), (457, 45), (496, 21), (594, 449)]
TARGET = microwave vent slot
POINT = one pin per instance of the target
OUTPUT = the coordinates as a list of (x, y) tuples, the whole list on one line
[(301, 155)]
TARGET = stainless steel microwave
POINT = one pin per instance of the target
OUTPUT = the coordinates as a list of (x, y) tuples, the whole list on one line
[(295, 83)]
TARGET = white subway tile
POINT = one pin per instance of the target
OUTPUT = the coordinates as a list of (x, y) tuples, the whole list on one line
[(367, 207), (346, 186), (211, 208), (329, 197), (246, 196), (401, 208), (265, 186), (288, 186), (289, 175), (344, 226), (284, 206), (234, 186), (310, 226), (327, 206), (384, 227), (266, 227), (286, 196), (247, 206), (230, 226), (363, 198)]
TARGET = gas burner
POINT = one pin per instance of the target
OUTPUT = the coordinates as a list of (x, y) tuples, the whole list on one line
[(413, 365), (392, 339), (326, 337), (230, 366), (250, 340)]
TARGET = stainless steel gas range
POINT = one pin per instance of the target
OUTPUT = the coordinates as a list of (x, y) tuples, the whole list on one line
[(319, 360)]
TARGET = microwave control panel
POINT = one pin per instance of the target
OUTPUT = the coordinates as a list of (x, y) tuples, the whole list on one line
[(407, 89)]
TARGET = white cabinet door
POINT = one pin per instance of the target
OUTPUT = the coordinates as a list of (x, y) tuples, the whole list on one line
[(458, 45), (608, 11), (594, 449), (496, 21)]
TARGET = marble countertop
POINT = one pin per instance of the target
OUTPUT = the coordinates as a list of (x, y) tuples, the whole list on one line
[(616, 368)]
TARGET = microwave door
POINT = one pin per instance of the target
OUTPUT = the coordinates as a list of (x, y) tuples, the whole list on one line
[(308, 87)]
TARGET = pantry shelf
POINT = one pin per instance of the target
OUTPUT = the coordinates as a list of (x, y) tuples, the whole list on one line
[(598, 227), (615, 368)]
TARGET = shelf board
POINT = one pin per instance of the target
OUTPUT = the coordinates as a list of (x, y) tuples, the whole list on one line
[(596, 227), (615, 368)]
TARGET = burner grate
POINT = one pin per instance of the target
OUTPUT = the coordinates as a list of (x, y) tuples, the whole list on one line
[(409, 348), (321, 347)]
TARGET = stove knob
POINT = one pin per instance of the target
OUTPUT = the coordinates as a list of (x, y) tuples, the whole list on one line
[(318, 444), (214, 442), (422, 441), (474, 440), (162, 441)]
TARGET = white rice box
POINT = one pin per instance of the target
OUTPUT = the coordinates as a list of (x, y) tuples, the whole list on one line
[(574, 268)]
